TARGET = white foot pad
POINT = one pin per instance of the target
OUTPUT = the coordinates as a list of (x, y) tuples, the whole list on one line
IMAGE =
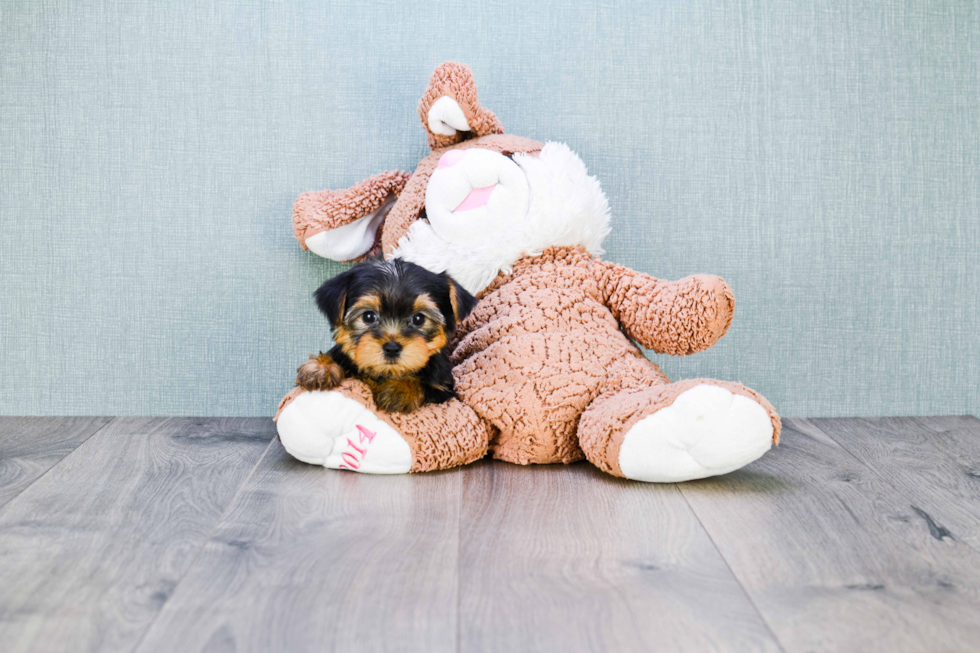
[(707, 431), (329, 429)]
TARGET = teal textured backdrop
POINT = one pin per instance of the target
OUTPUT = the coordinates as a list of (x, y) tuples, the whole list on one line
[(823, 157)]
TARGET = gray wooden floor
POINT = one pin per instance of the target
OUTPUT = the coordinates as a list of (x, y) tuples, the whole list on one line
[(171, 534)]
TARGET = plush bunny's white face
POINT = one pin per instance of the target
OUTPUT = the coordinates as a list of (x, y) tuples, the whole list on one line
[(474, 190), (485, 211)]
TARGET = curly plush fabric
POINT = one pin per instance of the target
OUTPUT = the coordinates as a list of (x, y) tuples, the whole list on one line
[(650, 310), (455, 80), (318, 211), (544, 343)]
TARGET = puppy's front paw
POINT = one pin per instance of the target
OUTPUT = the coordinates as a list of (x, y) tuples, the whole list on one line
[(319, 373), (399, 395)]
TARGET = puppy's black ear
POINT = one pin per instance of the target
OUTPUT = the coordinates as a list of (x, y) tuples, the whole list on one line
[(463, 302), (331, 297)]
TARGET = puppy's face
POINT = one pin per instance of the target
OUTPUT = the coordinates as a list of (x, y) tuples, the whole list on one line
[(390, 318), (392, 332)]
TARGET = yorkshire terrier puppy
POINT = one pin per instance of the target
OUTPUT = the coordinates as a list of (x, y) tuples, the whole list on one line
[(392, 322)]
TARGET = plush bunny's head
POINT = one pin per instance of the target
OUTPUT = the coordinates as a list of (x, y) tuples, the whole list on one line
[(479, 201)]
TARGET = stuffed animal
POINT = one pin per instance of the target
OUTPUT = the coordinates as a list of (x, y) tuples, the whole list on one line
[(546, 365)]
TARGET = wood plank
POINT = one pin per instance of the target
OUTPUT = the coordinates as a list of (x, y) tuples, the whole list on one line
[(835, 558), (30, 446), (566, 558), (310, 559), (959, 438), (938, 468), (91, 551)]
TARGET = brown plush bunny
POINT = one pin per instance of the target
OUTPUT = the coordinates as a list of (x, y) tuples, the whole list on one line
[(546, 367)]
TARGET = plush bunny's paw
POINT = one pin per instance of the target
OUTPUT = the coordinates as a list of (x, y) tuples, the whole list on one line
[(330, 429), (706, 431)]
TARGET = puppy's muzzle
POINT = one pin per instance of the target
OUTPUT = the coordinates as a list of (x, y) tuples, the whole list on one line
[(391, 350)]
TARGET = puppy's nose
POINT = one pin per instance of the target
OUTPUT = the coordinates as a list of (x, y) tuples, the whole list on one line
[(391, 349)]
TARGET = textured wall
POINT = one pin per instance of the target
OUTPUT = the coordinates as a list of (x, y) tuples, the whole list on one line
[(823, 157)]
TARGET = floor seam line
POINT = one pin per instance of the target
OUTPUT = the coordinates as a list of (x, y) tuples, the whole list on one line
[(112, 418), (748, 596), (459, 557), (204, 543)]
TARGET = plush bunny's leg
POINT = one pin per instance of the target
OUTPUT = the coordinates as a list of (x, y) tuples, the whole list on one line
[(670, 432), (342, 429), (330, 429)]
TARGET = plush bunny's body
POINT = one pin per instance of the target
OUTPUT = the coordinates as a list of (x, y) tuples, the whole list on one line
[(546, 367)]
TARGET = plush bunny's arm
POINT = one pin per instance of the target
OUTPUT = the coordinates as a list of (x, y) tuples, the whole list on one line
[(670, 317)]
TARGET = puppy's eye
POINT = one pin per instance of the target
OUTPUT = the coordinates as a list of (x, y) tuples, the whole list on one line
[(418, 319), (369, 317)]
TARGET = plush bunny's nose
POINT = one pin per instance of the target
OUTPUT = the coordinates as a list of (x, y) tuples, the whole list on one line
[(451, 158)]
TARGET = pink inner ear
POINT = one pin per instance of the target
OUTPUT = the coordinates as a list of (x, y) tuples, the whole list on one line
[(477, 198), (451, 158)]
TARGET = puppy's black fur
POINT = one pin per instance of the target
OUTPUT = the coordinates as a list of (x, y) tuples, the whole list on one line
[(393, 322)]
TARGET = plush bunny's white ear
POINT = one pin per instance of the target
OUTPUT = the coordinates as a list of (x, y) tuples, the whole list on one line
[(344, 225), (352, 240), (446, 117)]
